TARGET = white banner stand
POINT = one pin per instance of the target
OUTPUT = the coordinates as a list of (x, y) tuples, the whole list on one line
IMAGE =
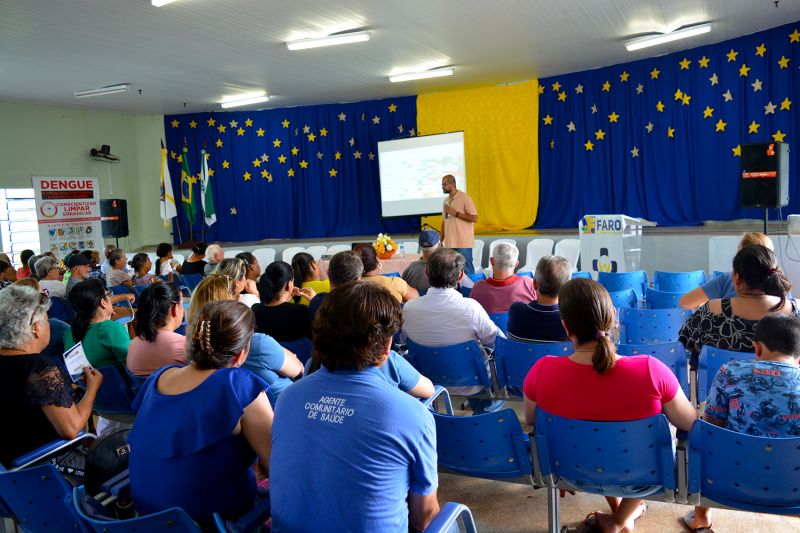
[(611, 243)]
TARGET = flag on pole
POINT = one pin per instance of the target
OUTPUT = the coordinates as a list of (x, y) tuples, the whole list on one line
[(168, 209), (187, 180), (206, 195)]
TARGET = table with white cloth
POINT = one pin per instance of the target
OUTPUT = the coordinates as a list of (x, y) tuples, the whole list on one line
[(396, 264)]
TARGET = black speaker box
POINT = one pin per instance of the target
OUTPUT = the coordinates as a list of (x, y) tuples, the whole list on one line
[(114, 218), (764, 181)]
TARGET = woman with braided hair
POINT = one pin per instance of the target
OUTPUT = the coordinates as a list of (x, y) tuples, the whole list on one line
[(200, 428)]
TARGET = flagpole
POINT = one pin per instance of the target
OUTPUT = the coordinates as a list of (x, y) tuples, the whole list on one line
[(189, 178), (202, 224), (177, 224)]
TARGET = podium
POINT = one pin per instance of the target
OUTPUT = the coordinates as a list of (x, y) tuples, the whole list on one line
[(611, 243)]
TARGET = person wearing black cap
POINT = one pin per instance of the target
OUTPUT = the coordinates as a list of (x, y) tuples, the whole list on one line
[(415, 274), (195, 263), (78, 265)]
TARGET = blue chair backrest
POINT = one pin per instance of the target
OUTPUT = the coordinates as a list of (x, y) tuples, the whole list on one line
[(619, 281), (672, 354), (608, 458), (662, 300), (582, 274), (391, 274), (678, 281), (490, 445), (651, 326), (115, 394), (500, 320), (718, 273), (174, 520), (465, 291), (300, 347), (192, 280), (60, 309), (455, 365), (41, 500), (477, 277), (746, 472), (121, 289), (709, 363), (513, 359), (526, 274), (139, 289), (624, 298)]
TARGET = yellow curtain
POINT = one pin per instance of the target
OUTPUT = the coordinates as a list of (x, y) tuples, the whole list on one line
[(501, 148)]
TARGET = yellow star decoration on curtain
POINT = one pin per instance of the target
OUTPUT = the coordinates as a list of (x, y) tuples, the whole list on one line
[(786, 105), (332, 172), (226, 165), (175, 123), (607, 86), (193, 124), (306, 129), (376, 120), (248, 123), (311, 137), (649, 127), (737, 150), (304, 164), (337, 156), (323, 132), (180, 158), (761, 50), (285, 123), (732, 55), (211, 122), (541, 89), (778, 137), (247, 176), (703, 62), (671, 133), (265, 173), (221, 128), (743, 70), (264, 157), (794, 37), (708, 112), (295, 150), (589, 146), (714, 79), (256, 162), (635, 152), (172, 154), (276, 143), (342, 117), (556, 87), (290, 172), (219, 143), (600, 135), (660, 106), (260, 132), (579, 89), (686, 99), (720, 126), (392, 108), (548, 120), (234, 212), (753, 127), (240, 132), (783, 62), (624, 76), (678, 94), (613, 117), (357, 154), (654, 74), (562, 96), (211, 172), (685, 63), (281, 159)]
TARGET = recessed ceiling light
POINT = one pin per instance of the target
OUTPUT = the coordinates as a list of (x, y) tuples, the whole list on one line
[(435, 73), (329, 40), (655, 40), (159, 3), (239, 100), (111, 89)]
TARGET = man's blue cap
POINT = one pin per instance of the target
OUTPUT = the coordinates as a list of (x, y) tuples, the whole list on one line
[(428, 238)]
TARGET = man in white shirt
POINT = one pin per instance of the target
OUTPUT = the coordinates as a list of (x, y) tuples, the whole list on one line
[(47, 271), (443, 317)]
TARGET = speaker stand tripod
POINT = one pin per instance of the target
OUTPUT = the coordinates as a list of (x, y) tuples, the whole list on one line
[(766, 220)]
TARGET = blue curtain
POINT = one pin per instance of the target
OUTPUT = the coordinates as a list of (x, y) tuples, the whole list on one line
[(606, 144), (300, 172)]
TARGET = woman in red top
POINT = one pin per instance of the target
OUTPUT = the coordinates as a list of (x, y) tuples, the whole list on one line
[(631, 388)]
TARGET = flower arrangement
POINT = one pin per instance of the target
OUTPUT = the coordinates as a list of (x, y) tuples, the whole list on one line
[(384, 246)]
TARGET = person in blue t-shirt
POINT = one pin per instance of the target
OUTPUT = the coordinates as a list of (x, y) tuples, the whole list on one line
[(539, 320), (345, 441), (758, 396)]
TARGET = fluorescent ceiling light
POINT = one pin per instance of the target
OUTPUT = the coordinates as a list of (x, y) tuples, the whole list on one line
[(655, 40), (436, 73), (330, 40), (159, 3), (111, 89), (244, 99)]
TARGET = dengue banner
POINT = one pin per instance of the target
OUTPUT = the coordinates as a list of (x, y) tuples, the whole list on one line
[(68, 211)]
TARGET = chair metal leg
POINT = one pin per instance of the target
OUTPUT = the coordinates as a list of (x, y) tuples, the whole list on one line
[(553, 510)]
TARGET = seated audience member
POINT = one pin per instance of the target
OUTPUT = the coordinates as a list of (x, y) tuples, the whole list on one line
[(196, 262), (759, 396), (497, 293), (94, 264), (396, 285), (107, 263), (214, 254), (54, 348), (116, 273), (78, 266), (384, 476), (253, 268), (141, 265), (49, 278), (722, 286), (37, 398), (415, 274), (344, 267), (4, 257), (277, 316), (158, 315), (7, 274), (269, 360), (32, 265), (730, 323), (603, 385), (104, 341), (244, 289), (199, 428), (307, 275), (24, 271), (539, 320), (166, 264), (443, 317)]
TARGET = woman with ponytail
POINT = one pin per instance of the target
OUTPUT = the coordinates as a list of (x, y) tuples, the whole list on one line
[(277, 316), (105, 342), (594, 383), (159, 314)]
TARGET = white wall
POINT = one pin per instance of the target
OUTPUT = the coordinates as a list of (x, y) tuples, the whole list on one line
[(37, 140)]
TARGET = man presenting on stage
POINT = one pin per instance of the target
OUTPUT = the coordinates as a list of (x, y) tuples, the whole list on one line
[(458, 221)]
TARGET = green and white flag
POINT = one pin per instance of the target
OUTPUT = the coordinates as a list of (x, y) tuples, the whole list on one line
[(206, 196)]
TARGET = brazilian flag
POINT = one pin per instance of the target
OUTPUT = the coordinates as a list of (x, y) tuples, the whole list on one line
[(187, 182)]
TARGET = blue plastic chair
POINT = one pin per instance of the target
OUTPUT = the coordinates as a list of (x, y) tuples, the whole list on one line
[(300, 347), (513, 359), (678, 281), (477, 277), (192, 280), (448, 516), (115, 395), (451, 366), (672, 354), (60, 309), (651, 326), (709, 363), (525, 274), (465, 291), (620, 281), (756, 474), (582, 274), (391, 274), (662, 300), (500, 320), (718, 273), (121, 289), (626, 298)]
